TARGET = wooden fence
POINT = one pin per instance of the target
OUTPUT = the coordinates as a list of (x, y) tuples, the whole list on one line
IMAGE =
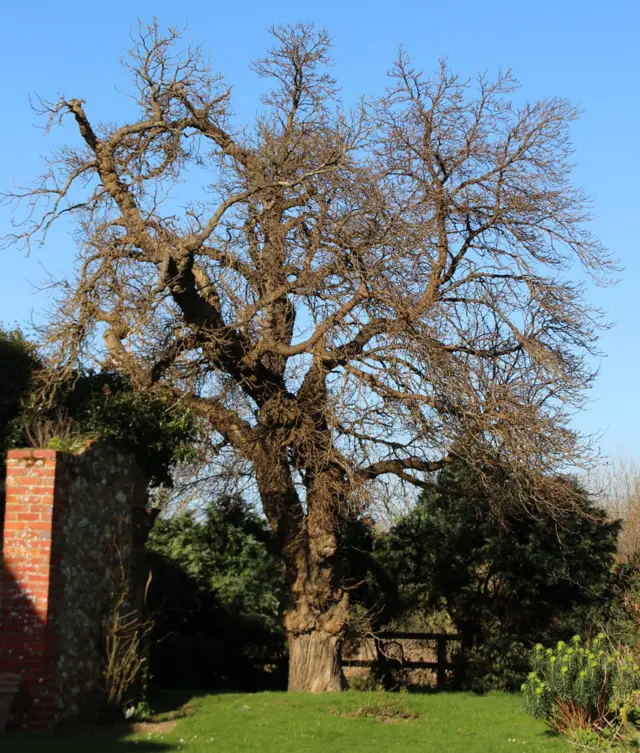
[(440, 666)]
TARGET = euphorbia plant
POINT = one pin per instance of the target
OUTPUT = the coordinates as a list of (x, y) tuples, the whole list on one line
[(584, 688)]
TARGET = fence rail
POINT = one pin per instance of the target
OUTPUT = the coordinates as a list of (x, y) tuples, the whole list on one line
[(418, 636), (440, 666)]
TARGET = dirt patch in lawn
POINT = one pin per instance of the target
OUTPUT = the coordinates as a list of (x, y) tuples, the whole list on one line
[(153, 728), (158, 724), (382, 713)]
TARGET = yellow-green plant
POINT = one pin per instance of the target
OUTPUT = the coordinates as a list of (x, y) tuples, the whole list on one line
[(584, 686)]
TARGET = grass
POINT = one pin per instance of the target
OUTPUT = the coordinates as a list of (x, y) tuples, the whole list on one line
[(297, 723)]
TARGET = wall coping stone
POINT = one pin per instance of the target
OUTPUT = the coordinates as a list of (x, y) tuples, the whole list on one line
[(33, 453)]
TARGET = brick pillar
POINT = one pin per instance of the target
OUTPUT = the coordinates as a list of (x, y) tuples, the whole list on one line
[(2, 474), (30, 594)]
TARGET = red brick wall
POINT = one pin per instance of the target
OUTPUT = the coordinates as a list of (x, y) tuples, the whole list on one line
[(30, 584), (2, 472), (63, 514)]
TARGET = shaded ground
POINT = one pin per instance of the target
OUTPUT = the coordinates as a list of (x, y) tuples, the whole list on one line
[(280, 723)]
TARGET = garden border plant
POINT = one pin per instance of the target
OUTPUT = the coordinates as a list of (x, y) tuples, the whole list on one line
[(589, 693)]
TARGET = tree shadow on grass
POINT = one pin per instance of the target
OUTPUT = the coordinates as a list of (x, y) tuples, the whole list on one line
[(177, 702), (432, 690), (97, 742), (78, 736)]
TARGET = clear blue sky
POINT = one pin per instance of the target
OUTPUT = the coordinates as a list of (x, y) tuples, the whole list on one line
[(587, 51)]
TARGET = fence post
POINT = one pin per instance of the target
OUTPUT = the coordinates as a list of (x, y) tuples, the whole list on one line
[(442, 660)]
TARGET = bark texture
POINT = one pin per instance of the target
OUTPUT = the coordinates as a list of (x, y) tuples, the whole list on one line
[(314, 663)]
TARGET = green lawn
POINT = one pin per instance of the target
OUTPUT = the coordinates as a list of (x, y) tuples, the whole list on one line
[(280, 723)]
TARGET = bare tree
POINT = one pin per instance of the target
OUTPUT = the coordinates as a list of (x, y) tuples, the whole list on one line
[(350, 296), (618, 486)]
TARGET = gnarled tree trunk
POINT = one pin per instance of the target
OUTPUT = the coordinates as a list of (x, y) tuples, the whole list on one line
[(314, 662), (315, 624), (316, 618), (315, 615)]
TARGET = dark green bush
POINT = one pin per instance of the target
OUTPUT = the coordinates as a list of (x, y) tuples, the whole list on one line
[(498, 663), (18, 363), (507, 580), (103, 406), (215, 597), (90, 406)]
